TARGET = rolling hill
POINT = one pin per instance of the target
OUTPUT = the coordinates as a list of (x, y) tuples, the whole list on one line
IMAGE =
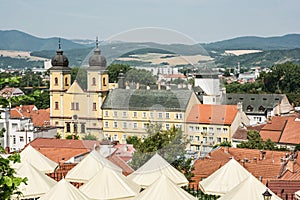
[(20, 41)]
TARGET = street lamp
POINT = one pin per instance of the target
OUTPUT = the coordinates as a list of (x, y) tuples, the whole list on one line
[(267, 195)]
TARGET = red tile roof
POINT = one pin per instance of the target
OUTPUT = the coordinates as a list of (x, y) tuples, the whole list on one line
[(262, 165), (241, 133), (212, 114), (39, 117), (284, 189), (282, 130), (121, 163)]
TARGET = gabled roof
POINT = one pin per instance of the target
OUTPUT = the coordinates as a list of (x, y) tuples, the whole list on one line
[(176, 100), (282, 130), (212, 114), (254, 103), (241, 132), (9, 91), (39, 117), (75, 88)]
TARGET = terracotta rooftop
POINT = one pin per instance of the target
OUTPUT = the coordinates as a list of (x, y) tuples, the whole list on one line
[(282, 130), (262, 164), (212, 114), (39, 117), (284, 189), (241, 133)]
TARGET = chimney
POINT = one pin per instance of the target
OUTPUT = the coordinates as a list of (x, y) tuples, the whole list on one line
[(137, 86), (226, 150), (261, 154), (158, 86), (121, 80), (240, 106)]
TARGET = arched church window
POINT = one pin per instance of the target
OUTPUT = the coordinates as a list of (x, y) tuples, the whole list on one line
[(66, 81), (94, 81), (56, 81), (104, 82), (68, 127)]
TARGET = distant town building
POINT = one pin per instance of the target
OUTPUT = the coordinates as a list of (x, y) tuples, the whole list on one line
[(8, 92)]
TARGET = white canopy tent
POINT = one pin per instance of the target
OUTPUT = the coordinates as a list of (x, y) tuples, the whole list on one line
[(224, 179), (37, 183), (249, 189), (109, 184), (64, 190), (35, 158), (155, 168), (89, 166), (297, 194), (162, 189)]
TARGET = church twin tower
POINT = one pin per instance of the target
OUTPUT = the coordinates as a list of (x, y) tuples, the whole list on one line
[(74, 110)]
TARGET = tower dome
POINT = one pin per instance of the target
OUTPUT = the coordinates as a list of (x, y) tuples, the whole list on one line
[(97, 61), (59, 60)]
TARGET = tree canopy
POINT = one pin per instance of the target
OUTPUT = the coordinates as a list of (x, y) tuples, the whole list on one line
[(114, 70), (167, 143), (9, 182)]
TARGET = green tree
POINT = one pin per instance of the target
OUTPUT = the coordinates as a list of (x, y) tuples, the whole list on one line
[(89, 137), (167, 143), (133, 140), (114, 70), (9, 182), (71, 137), (141, 76), (2, 131), (256, 142), (223, 144)]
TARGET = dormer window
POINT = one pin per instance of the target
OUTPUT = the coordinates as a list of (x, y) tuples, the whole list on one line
[(261, 108), (250, 108)]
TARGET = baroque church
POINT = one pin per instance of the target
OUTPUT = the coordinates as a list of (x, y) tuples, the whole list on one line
[(72, 109)]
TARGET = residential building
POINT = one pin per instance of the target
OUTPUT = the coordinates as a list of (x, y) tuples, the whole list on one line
[(207, 125), (128, 112), (27, 123), (73, 108), (258, 107), (8, 92), (283, 130), (4, 117)]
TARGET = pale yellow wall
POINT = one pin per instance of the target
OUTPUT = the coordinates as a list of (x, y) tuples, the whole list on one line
[(101, 81), (139, 120)]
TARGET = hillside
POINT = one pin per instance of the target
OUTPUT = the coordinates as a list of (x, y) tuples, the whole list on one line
[(290, 41), (20, 41)]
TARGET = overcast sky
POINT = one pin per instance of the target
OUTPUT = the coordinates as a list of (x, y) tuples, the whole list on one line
[(197, 20)]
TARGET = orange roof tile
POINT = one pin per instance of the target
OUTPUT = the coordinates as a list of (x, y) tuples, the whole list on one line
[(290, 134), (212, 114), (39, 117), (121, 163), (272, 135)]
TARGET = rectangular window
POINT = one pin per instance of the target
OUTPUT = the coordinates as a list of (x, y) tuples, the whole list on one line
[(124, 124), (29, 139), (197, 138), (21, 139), (106, 113), (106, 124), (197, 128), (218, 130), (124, 114), (74, 106), (82, 128), (14, 139), (204, 140), (68, 127), (211, 130), (124, 137), (178, 116), (204, 129), (225, 130), (135, 125), (151, 115), (115, 114), (179, 126), (191, 128), (191, 137), (168, 115), (94, 106), (75, 127), (225, 139), (115, 137), (218, 139), (197, 148), (160, 115), (115, 124), (56, 107), (144, 114), (167, 126), (145, 125), (135, 114)]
